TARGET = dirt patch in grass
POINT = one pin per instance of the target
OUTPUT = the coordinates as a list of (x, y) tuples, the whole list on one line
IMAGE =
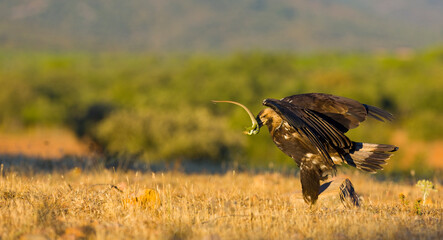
[(43, 143)]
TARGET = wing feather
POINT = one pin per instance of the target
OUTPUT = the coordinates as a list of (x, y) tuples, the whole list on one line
[(323, 119), (341, 112), (378, 113), (338, 138), (344, 113), (320, 133)]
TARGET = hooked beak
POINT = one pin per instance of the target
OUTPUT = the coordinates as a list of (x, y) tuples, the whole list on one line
[(255, 128)]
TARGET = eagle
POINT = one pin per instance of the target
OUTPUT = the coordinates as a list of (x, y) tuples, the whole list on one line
[(310, 128)]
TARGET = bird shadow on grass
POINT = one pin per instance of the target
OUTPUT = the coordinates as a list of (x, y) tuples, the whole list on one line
[(40, 165)]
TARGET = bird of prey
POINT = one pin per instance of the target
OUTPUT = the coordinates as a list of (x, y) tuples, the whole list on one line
[(310, 128)]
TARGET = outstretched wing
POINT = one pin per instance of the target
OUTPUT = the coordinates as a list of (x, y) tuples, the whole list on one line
[(309, 123), (343, 113)]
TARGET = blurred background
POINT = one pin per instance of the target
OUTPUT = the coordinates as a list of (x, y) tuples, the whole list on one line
[(131, 81)]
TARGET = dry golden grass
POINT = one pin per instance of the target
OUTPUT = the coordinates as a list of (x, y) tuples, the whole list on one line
[(101, 205)]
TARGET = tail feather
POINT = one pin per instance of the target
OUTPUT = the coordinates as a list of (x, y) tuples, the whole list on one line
[(370, 157)]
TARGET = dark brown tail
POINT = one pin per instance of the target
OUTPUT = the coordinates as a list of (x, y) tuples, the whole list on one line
[(370, 157)]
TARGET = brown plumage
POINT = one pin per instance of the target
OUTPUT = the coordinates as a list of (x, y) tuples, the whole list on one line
[(310, 128)]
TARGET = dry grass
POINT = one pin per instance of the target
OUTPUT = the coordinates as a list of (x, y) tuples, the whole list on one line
[(203, 206)]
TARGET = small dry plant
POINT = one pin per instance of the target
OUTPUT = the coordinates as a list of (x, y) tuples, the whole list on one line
[(426, 188)]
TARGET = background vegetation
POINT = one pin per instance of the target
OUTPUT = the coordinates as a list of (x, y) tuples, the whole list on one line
[(157, 107)]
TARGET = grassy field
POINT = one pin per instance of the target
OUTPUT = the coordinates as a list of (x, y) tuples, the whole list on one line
[(101, 204), (58, 110)]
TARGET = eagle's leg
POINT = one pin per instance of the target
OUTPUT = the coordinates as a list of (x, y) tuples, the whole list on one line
[(348, 196), (310, 182), (340, 187), (312, 171)]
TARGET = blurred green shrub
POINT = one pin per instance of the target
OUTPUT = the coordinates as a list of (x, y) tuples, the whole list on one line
[(158, 107), (158, 135)]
